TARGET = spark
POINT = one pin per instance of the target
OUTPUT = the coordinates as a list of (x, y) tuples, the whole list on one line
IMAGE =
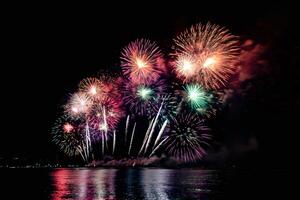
[(93, 90), (186, 67), (196, 96), (144, 92), (209, 62), (68, 128), (79, 103)]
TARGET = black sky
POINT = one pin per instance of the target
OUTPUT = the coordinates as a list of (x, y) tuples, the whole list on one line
[(48, 51)]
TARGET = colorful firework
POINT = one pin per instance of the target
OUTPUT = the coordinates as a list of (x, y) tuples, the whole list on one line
[(205, 58), (141, 99), (68, 135), (188, 138), (106, 115), (79, 105), (93, 87), (206, 54), (186, 67), (169, 107), (144, 92), (197, 97), (140, 61)]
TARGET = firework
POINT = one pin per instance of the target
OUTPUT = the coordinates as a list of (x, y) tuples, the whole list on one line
[(169, 107), (68, 134), (93, 87), (186, 66), (206, 54), (153, 127), (187, 138), (78, 105), (176, 106), (126, 128), (197, 97), (140, 61), (141, 99), (104, 116)]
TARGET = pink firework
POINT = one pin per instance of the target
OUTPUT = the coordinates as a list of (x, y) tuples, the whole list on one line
[(68, 128), (97, 89), (141, 61), (106, 115)]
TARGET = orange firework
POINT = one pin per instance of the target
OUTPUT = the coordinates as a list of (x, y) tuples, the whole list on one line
[(140, 61), (186, 66), (94, 88), (206, 54)]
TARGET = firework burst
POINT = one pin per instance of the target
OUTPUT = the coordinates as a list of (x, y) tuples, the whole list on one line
[(188, 138), (206, 54), (94, 88), (176, 103), (142, 98), (68, 135), (196, 96), (79, 105), (140, 61), (106, 115)]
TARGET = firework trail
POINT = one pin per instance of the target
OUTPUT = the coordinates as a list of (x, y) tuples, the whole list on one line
[(126, 128), (160, 133), (146, 136), (158, 146), (153, 127), (206, 53), (114, 142), (87, 138), (105, 126), (79, 106), (139, 61), (132, 135), (102, 142)]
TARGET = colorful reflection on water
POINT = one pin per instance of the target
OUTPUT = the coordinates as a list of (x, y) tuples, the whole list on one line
[(133, 184)]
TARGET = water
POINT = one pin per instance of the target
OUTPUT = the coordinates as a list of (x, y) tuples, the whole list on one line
[(137, 184)]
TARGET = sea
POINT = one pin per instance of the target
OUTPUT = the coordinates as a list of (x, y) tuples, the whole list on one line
[(142, 183)]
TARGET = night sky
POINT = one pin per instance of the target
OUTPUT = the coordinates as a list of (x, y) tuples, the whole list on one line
[(47, 52)]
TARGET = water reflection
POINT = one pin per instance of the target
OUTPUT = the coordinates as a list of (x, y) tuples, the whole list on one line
[(132, 184)]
